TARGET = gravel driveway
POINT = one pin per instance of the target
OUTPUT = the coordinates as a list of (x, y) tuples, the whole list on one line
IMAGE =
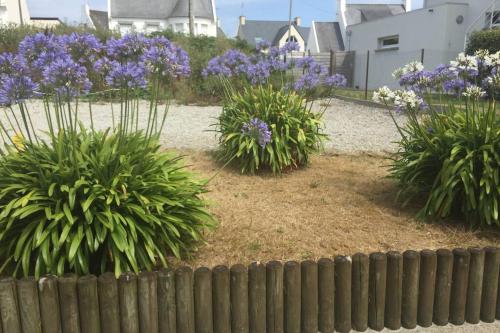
[(351, 127)]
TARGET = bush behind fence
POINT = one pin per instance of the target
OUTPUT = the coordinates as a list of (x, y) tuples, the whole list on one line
[(390, 290)]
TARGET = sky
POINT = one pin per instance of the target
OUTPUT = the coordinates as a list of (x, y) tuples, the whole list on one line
[(228, 11)]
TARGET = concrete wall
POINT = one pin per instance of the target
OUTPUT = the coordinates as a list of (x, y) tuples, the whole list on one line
[(436, 31)]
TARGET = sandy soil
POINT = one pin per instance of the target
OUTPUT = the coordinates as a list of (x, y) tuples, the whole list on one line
[(341, 204)]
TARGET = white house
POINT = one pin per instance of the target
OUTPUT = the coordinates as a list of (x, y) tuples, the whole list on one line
[(275, 32), (14, 12), (396, 34), (156, 15)]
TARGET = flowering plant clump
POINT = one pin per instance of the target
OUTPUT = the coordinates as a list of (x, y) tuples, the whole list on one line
[(279, 130), (264, 128), (450, 153), (80, 200)]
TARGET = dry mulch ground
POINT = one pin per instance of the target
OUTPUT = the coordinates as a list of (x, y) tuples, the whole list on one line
[(341, 204)]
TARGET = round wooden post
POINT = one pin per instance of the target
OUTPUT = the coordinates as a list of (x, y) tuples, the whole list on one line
[(203, 314), (148, 302), (394, 292), (257, 297), (48, 295), (343, 274), (167, 312), (426, 287), (9, 311), (409, 302), (88, 304), (360, 281), (461, 261), (109, 304), (474, 290), (309, 296), (184, 299), (68, 301), (129, 312), (29, 308), (274, 297), (239, 299), (326, 295), (443, 287), (377, 287), (490, 284), (221, 300), (292, 294)]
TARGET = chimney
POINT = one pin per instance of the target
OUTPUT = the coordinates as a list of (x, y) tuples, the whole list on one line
[(298, 21), (243, 20)]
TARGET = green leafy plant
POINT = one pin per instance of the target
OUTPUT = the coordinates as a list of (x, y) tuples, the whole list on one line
[(453, 159), (264, 128), (124, 206), (484, 40)]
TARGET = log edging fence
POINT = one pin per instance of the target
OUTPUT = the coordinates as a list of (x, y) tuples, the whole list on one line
[(374, 291)]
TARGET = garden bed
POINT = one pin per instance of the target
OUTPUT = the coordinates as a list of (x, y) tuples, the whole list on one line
[(341, 204)]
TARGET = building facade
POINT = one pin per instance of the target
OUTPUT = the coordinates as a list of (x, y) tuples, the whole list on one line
[(433, 34), (14, 12), (128, 16)]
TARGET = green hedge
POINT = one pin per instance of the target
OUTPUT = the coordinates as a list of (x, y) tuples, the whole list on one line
[(486, 39)]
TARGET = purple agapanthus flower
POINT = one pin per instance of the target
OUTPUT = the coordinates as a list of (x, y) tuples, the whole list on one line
[(128, 48), (40, 50), (231, 63), (455, 86), (129, 75), (166, 59), (336, 80), (289, 47), (262, 45), (66, 77), (83, 48), (259, 72), (13, 64), (307, 81), (15, 89), (257, 129)]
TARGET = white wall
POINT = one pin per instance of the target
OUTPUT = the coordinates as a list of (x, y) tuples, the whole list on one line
[(9, 12), (177, 24), (435, 31), (312, 39)]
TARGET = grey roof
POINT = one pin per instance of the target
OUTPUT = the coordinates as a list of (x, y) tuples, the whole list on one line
[(359, 13), (329, 36), (272, 31), (160, 9), (99, 19)]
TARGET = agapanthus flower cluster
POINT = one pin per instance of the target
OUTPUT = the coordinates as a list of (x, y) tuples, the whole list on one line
[(474, 92), (63, 64), (257, 129), (403, 100), (165, 59), (231, 63), (129, 75), (16, 89), (336, 80)]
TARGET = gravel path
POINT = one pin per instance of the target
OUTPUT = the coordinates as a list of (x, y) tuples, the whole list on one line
[(351, 127)]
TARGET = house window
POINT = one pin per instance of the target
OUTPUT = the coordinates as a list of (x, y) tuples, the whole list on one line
[(179, 27), (152, 27), (204, 29), (388, 42), (125, 28), (292, 39), (496, 18)]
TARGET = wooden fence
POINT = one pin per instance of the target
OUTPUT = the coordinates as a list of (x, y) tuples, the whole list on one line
[(390, 290), (337, 62)]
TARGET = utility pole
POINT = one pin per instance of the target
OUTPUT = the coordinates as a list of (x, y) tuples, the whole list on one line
[(191, 18), (290, 21), (20, 12)]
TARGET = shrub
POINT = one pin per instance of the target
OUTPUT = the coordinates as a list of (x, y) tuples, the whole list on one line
[(450, 155), (484, 40), (266, 128), (125, 206)]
